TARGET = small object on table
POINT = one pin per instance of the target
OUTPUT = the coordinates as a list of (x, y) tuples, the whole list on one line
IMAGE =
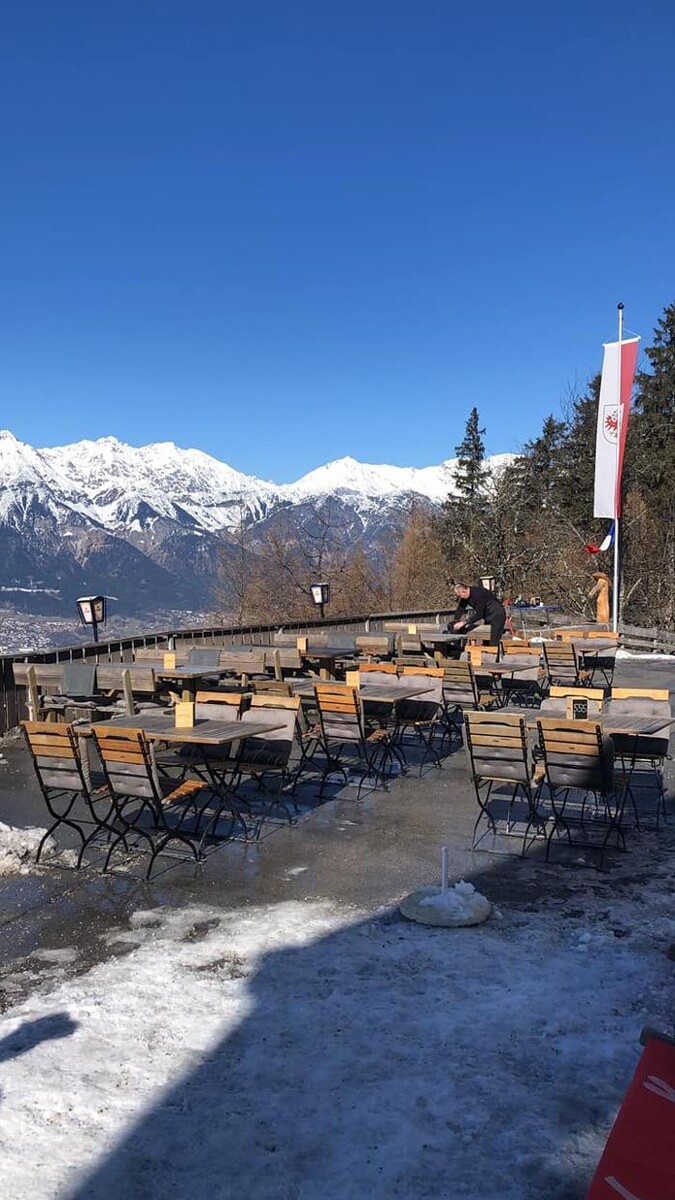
[(185, 714)]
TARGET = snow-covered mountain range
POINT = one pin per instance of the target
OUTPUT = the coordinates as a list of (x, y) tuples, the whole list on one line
[(147, 521)]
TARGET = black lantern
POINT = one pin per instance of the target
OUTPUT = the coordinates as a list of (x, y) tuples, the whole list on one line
[(320, 594), (92, 611), (488, 582)]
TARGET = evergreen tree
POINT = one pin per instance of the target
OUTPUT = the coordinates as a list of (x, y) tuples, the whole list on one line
[(464, 513), (470, 473)]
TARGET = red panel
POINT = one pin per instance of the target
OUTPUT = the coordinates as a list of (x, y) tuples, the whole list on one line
[(638, 1162)]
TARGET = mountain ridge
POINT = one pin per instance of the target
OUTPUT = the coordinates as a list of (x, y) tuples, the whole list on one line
[(82, 515)]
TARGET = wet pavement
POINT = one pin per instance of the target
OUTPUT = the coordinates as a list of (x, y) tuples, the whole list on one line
[(363, 853)]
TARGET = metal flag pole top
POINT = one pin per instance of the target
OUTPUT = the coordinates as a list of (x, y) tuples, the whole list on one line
[(617, 498)]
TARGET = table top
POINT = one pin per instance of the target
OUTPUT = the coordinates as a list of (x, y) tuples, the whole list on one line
[(389, 695), (189, 672), (373, 691), (204, 732), (505, 668), (328, 652), (442, 637), (587, 645), (626, 724)]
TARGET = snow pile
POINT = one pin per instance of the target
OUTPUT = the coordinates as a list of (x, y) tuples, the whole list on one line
[(462, 902), (18, 848), (453, 908), (641, 654), (306, 1050)]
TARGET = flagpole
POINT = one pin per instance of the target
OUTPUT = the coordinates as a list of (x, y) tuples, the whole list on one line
[(617, 498)]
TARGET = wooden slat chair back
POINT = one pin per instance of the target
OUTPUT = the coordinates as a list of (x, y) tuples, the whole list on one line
[(460, 693), (220, 706), (477, 655), (381, 668), (340, 711), (146, 803), (560, 691), (498, 750), (639, 693), (63, 775), (575, 753), (459, 683), (497, 746), (414, 660), (562, 664), (568, 635), (606, 635), (431, 671), (275, 687), (531, 649)]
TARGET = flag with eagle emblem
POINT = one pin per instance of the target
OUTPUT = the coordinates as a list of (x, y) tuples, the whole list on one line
[(618, 370)]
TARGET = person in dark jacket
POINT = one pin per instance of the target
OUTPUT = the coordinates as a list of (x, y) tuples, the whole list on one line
[(478, 606)]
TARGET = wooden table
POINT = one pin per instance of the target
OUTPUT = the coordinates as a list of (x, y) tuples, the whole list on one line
[(369, 691), (389, 695), (624, 724), (592, 645), (190, 677), (499, 670), (504, 668), (442, 638), (161, 727)]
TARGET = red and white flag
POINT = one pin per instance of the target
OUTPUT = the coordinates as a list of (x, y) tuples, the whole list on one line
[(618, 371)]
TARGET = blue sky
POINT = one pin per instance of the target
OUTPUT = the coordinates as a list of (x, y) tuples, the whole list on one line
[(285, 233)]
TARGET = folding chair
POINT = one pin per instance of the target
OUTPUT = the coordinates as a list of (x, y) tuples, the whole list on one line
[(342, 724), (422, 715), (145, 802), (562, 665), (525, 687), (643, 756), (460, 692), (269, 754), (64, 777), (498, 751), (576, 758)]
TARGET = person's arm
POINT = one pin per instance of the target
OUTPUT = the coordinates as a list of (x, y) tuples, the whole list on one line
[(460, 615)]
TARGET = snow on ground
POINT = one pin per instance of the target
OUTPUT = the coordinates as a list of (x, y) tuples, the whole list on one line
[(302, 1051), (18, 848)]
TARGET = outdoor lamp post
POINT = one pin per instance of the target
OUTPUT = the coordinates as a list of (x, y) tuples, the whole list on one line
[(92, 611), (488, 582), (320, 595)]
